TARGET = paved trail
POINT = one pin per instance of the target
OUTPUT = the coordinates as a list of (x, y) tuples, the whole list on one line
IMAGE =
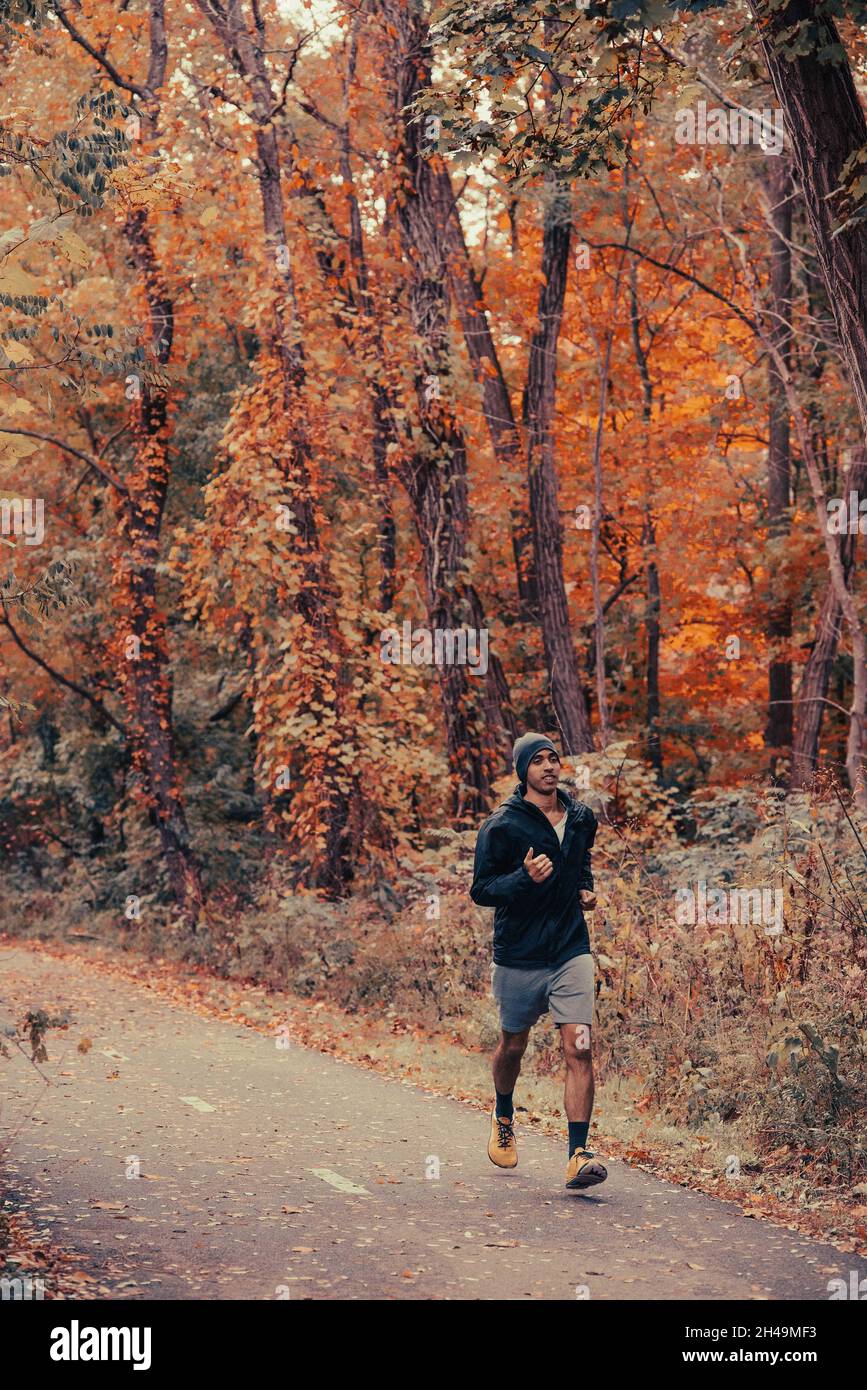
[(269, 1172)]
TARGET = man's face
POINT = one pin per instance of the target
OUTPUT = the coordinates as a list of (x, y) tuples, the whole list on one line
[(543, 774)]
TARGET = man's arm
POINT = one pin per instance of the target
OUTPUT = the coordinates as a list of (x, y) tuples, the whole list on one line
[(494, 884), (585, 873)]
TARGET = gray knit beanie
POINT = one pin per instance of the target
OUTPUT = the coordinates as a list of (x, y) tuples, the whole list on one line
[(525, 749)]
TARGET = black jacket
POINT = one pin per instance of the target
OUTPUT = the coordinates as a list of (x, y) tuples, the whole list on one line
[(535, 924)]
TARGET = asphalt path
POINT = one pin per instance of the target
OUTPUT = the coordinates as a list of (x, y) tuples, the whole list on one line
[(266, 1170)]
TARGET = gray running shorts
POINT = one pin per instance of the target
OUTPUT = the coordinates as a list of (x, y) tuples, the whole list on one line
[(524, 995)]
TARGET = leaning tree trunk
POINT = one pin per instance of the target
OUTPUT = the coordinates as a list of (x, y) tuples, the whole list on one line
[(826, 126), (778, 629)]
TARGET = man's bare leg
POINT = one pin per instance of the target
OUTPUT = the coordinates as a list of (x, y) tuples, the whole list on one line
[(502, 1148), (507, 1060), (579, 1092), (583, 1170)]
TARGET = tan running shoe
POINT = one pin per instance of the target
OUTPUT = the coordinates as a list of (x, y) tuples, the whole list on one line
[(502, 1148), (585, 1170)]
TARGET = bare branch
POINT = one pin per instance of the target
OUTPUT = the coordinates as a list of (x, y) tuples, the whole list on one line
[(105, 470), (57, 676), (684, 275), (104, 62)]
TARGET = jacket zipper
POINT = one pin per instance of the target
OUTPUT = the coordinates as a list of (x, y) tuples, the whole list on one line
[(550, 959)]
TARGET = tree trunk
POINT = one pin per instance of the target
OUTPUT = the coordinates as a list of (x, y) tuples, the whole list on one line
[(816, 677), (380, 405), (477, 714), (846, 599), (147, 682), (315, 599), (653, 637), (778, 629), (567, 694), (825, 124), (813, 691), (141, 635), (145, 661), (358, 320), (496, 402), (652, 596)]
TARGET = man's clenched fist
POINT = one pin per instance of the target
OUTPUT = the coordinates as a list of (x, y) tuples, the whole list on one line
[(539, 868)]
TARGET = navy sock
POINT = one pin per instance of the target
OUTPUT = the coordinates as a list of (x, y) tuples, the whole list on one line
[(578, 1135), (505, 1108)]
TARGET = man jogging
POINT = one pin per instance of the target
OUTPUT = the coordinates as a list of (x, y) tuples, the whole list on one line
[(533, 866)]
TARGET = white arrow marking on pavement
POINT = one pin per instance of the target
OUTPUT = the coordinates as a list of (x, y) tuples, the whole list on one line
[(196, 1103), (335, 1180)]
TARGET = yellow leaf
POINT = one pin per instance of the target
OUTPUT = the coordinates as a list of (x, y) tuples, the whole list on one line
[(14, 280), (73, 248), (12, 447), (17, 352), (10, 238)]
